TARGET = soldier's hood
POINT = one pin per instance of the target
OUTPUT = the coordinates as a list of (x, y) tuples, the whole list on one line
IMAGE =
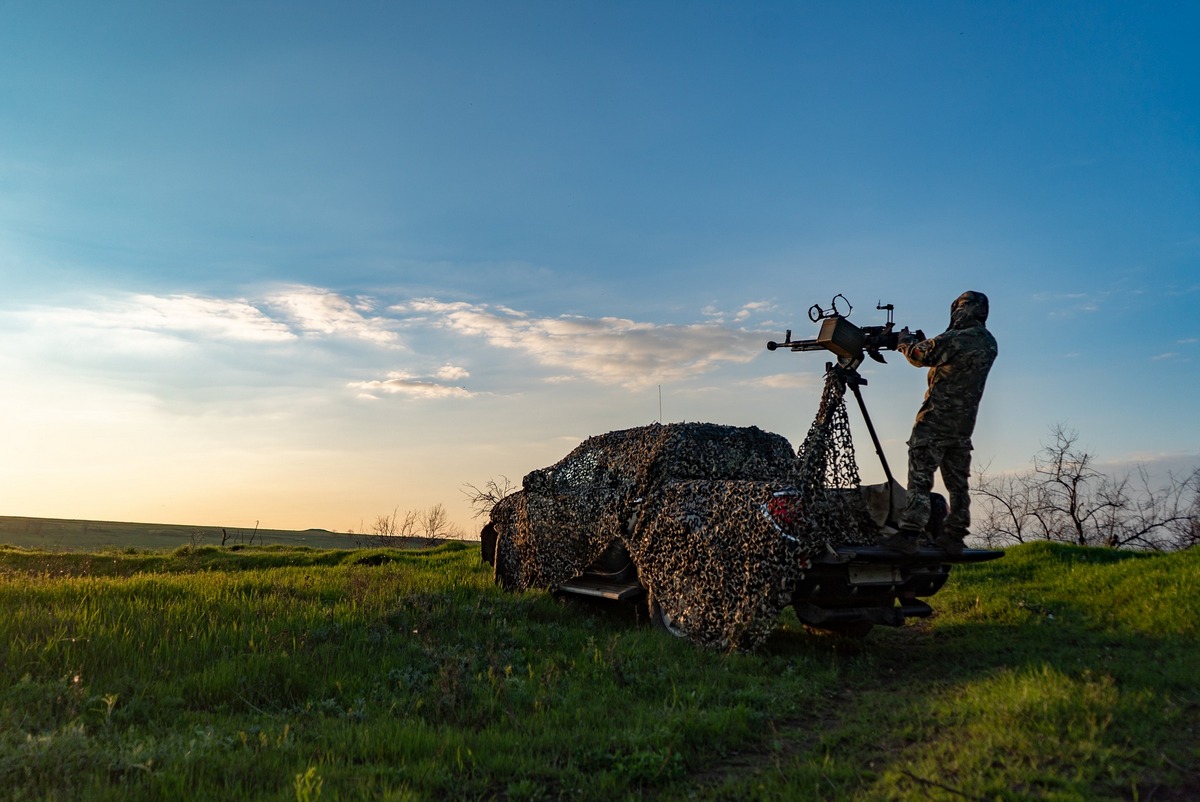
[(969, 309)]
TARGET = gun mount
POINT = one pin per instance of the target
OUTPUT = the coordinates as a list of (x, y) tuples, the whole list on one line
[(850, 343)]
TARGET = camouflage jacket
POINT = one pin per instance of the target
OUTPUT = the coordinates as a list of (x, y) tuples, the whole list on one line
[(958, 360)]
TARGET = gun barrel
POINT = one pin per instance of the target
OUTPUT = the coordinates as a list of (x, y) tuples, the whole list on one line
[(807, 345)]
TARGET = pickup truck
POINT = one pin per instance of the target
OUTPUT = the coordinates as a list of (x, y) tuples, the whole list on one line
[(704, 525)]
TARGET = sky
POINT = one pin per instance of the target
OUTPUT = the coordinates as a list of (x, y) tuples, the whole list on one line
[(301, 264)]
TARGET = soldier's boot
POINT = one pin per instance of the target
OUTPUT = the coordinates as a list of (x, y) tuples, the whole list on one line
[(903, 541), (950, 543)]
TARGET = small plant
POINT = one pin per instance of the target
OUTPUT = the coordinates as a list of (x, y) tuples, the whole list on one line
[(308, 785)]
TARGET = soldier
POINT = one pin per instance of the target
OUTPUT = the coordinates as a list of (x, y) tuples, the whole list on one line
[(958, 360)]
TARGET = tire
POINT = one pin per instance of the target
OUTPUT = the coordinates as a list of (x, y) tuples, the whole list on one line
[(660, 619), (850, 629)]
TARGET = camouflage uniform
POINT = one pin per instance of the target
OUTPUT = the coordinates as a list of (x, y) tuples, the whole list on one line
[(958, 360)]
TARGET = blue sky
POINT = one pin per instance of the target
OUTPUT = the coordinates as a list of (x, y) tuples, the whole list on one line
[(299, 264)]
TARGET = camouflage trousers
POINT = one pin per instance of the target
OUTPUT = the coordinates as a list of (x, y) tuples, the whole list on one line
[(954, 461)]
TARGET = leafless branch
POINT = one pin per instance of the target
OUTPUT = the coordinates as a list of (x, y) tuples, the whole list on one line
[(1063, 497)]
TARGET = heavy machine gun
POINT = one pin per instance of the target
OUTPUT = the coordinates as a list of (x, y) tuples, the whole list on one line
[(838, 335)]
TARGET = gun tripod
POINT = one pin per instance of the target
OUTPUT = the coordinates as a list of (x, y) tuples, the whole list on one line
[(848, 374)]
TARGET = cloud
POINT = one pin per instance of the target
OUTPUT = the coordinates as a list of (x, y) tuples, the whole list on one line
[(1070, 304), (406, 384), (321, 311), (141, 321), (451, 373), (720, 316), (310, 310), (224, 319), (607, 350), (788, 381), (1160, 468), (751, 308)]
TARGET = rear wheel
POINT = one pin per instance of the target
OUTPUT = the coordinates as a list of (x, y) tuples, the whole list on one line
[(487, 544), (661, 619), (818, 619), (849, 629)]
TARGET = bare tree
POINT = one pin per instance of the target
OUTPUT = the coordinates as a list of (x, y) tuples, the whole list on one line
[(389, 530), (240, 536), (483, 499), (1188, 534), (1152, 517), (1065, 498), (1003, 508), (1067, 503), (393, 530), (436, 522)]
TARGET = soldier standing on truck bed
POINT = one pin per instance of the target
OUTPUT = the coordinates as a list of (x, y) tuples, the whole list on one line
[(958, 360)]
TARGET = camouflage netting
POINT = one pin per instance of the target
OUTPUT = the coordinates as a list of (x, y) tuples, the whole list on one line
[(719, 520)]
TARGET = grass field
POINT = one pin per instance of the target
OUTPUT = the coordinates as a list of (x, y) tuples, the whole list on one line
[(284, 673)]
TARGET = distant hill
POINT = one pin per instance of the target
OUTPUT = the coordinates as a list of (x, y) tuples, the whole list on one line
[(60, 534)]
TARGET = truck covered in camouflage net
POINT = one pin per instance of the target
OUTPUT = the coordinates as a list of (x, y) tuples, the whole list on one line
[(717, 529), (710, 527)]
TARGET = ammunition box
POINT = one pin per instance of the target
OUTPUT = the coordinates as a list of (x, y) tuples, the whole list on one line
[(841, 337)]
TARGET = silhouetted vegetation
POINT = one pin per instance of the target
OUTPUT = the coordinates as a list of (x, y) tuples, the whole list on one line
[(1065, 498)]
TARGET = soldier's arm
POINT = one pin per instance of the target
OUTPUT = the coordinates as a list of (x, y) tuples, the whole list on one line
[(921, 352)]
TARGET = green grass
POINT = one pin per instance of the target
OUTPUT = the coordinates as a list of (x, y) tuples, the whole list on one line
[(1057, 673)]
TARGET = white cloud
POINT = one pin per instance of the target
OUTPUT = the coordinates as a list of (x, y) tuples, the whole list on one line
[(720, 316), (402, 383), (788, 381), (321, 311), (607, 350), (451, 373), (1159, 464), (146, 323), (225, 319), (140, 322), (752, 308)]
